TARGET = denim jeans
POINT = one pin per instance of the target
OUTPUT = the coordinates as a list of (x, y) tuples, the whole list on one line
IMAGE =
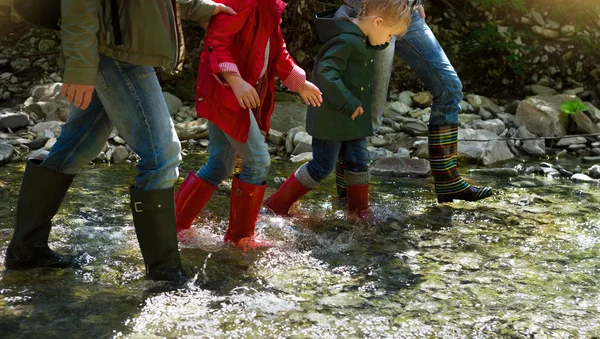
[(325, 154), (420, 50), (223, 149), (129, 98)]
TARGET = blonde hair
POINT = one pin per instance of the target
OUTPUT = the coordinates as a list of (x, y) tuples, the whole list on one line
[(392, 11)]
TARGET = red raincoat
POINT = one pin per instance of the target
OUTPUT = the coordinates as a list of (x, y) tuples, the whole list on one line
[(236, 44)]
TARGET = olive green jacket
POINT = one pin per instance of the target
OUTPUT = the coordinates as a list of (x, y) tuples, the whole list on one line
[(151, 34), (343, 72)]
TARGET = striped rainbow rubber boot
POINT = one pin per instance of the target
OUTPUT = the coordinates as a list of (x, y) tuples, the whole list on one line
[(443, 156)]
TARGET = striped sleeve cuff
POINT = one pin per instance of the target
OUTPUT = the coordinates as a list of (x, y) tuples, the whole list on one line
[(227, 67), (296, 79)]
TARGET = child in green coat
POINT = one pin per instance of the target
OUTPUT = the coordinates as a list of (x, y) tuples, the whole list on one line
[(344, 73)]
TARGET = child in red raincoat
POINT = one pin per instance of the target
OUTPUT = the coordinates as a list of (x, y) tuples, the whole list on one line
[(242, 55)]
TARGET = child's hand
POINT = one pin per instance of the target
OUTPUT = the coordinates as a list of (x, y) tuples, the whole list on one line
[(244, 92), (359, 111), (310, 94)]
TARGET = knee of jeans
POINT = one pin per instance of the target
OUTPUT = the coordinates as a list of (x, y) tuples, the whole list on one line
[(451, 93), (258, 166)]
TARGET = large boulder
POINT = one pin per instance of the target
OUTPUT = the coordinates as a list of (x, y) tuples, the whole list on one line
[(542, 116)]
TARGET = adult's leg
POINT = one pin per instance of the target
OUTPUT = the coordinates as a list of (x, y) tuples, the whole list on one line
[(134, 102), (421, 51), (46, 183)]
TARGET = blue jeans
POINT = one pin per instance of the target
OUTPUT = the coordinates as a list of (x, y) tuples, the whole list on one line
[(325, 154), (223, 149), (129, 98), (420, 50)]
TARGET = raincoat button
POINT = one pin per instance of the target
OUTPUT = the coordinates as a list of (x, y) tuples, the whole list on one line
[(210, 48)]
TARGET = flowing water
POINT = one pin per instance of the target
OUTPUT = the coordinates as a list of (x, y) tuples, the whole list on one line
[(522, 264)]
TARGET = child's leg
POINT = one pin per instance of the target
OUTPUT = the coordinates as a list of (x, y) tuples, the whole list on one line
[(199, 187), (340, 179), (307, 177), (356, 157), (248, 186)]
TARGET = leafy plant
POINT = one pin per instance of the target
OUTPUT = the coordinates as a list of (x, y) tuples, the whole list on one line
[(573, 107)]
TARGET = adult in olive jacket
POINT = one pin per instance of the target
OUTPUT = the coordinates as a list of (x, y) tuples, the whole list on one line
[(110, 49), (343, 73)]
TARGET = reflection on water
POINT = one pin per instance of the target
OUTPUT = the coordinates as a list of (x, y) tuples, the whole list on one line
[(523, 264)]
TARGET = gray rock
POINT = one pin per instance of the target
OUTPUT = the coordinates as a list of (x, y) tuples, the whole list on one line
[(378, 142), (196, 129), (507, 118), (464, 106), (52, 126), (574, 147), (119, 155), (302, 147), (13, 120), (406, 98), (302, 157), (545, 32), (582, 178), (288, 115), (56, 109), (402, 153), (46, 45), (542, 115), (591, 159), (302, 137), (595, 152), (570, 140), (478, 101), (495, 152), (594, 171), (289, 141), (423, 99), (494, 125), (20, 64), (47, 92), (6, 153), (399, 107), (593, 112), (173, 103), (473, 149), (421, 149), (497, 172), (39, 154), (276, 137), (538, 18), (582, 124), (385, 130), (119, 140), (101, 157), (203, 143), (49, 144), (484, 114), (467, 118), (533, 147), (541, 90), (399, 167)]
